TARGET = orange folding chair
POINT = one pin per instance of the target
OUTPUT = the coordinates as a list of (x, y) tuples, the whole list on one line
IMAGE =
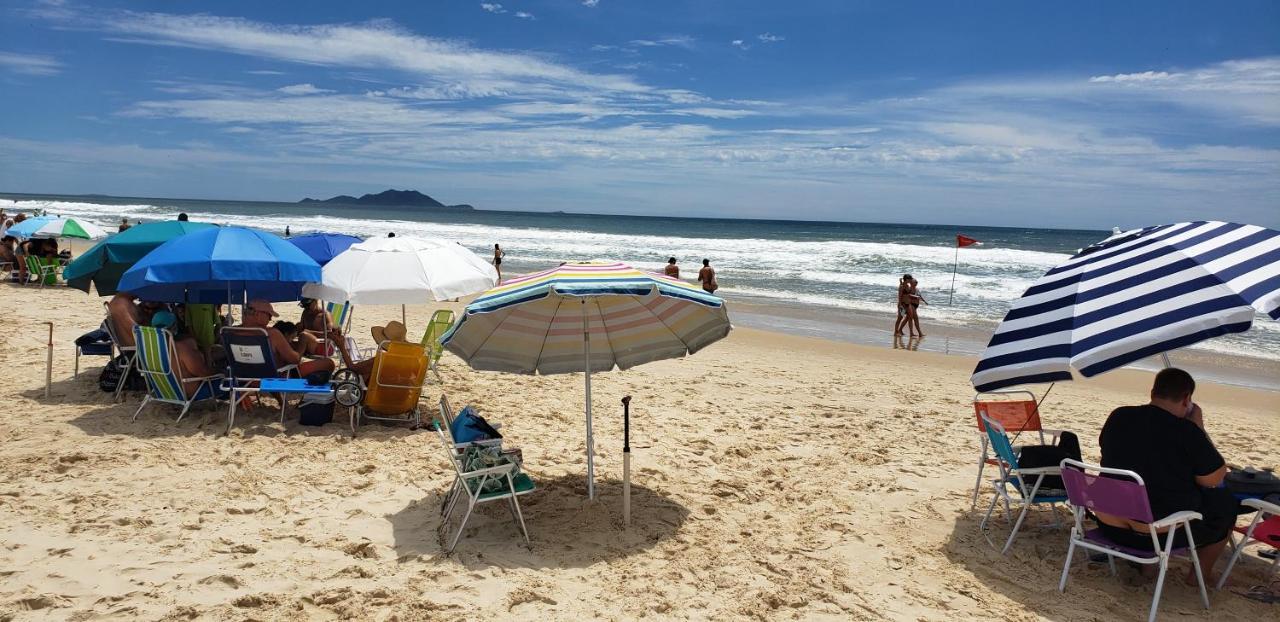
[(1016, 412)]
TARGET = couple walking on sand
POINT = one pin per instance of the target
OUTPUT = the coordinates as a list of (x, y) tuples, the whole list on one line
[(909, 301)]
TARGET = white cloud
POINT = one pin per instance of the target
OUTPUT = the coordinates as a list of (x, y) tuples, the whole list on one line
[(302, 89), (525, 15), (739, 43), (492, 7), (770, 38), (30, 64), (265, 72), (680, 41), (590, 3)]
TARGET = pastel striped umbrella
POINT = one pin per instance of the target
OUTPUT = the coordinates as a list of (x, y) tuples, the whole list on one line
[(588, 317), (1136, 294), (56, 227)]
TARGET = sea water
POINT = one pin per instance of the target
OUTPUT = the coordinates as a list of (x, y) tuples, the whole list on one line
[(840, 268)]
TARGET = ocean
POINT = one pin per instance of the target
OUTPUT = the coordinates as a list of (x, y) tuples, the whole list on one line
[(823, 268)]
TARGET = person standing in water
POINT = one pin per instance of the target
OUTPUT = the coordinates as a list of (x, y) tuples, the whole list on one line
[(124, 225), (286, 231), (497, 260), (707, 277), (914, 300), (671, 269)]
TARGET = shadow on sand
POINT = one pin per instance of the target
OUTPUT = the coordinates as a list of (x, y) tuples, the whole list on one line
[(566, 530), (1029, 573)]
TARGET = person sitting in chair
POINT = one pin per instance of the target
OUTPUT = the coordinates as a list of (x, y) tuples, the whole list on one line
[(258, 314), (126, 312), (190, 361), (1165, 442)]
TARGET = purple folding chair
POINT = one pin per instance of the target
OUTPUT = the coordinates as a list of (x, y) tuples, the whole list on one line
[(1100, 489)]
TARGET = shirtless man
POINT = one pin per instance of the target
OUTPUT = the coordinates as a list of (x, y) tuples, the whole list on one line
[(126, 312), (258, 314), (707, 277), (904, 285), (672, 270), (191, 363)]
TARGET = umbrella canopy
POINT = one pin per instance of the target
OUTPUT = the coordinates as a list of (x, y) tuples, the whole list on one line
[(56, 227), (323, 247), (221, 264), (402, 270), (586, 317), (1134, 295), (104, 264)]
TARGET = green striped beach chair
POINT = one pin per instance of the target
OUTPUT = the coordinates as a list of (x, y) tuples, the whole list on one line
[(440, 322), (45, 273), (339, 315), (156, 360)]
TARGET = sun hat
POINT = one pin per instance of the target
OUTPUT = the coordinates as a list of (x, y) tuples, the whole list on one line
[(263, 306), (393, 331)]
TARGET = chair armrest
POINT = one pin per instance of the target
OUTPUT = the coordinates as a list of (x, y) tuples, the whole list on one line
[(1262, 506), (1175, 518), (203, 378), (1048, 470), (498, 469)]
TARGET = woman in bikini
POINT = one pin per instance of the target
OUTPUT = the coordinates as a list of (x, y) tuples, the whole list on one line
[(914, 300)]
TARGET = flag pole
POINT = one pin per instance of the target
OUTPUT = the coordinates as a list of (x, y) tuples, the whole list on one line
[(954, 266)]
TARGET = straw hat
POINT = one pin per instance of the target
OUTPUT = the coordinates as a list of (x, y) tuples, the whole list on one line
[(393, 331)]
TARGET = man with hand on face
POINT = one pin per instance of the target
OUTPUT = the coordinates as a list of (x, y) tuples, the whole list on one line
[(1165, 442)]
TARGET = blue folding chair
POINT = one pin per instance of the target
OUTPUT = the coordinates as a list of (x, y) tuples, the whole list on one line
[(1014, 477), (249, 362), (156, 361)]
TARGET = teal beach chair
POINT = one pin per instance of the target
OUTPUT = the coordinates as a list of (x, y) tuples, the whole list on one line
[(1015, 478)]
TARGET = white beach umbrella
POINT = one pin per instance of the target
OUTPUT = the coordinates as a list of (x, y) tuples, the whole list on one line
[(402, 270), (56, 227)]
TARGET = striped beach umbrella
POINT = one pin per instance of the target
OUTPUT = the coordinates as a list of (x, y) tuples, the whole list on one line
[(586, 317), (56, 227), (1136, 294)]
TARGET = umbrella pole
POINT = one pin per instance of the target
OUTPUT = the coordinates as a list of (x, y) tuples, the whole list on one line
[(48, 364), (1165, 357), (402, 318), (586, 352), (626, 461)]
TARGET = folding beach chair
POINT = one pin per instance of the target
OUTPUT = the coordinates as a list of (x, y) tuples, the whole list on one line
[(440, 322), (249, 362), (482, 475), (46, 274), (1263, 529), (1011, 476), (1017, 412), (157, 362), (339, 315), (1122, 493), (127, 351), (93, 349), (394, 388)]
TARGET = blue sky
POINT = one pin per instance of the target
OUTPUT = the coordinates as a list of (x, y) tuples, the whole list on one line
[(1084, 114)]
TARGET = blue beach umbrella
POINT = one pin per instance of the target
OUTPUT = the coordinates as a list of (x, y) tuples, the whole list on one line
[(220, 265), (323, 247), (1134, 295)]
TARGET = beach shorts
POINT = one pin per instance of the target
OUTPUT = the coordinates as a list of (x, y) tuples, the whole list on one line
[(902, 309)]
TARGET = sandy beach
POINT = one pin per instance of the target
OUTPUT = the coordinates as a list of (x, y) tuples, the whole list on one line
[(777, 477)]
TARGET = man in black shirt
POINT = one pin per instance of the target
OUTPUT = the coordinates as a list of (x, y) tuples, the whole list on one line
[(1165, 442)]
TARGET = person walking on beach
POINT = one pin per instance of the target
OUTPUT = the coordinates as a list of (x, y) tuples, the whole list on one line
[(286, 231), (672, 270), (124, 225), (497, 260), (707, 277), (914, 300), (903, 286)]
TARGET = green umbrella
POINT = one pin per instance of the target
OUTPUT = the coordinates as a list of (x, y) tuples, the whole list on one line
[(103, 264)]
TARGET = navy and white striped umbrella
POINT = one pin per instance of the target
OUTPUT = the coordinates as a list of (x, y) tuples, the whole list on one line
[(1134, 295)]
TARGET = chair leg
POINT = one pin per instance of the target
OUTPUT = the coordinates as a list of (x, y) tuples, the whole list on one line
[(1111, 562), (977, 484), (231, 410), (471, 505), (1155, 599), (1066, 567), (77, 371), (1231, 561), (124, 377), (1195, 562), (145, 400), (995, 498), (1026, 505), (183, 413), (515, 502), (447, 501)]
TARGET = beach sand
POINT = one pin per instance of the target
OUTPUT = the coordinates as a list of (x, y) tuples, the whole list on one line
[(775, 477)]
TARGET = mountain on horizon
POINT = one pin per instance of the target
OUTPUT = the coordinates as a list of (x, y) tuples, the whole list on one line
[(387, 198)]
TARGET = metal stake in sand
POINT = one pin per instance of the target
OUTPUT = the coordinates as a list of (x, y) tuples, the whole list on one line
[(586, 352), (48, 364), (626, 461)]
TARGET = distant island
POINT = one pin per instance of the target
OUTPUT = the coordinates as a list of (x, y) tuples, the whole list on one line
[(388, 198)]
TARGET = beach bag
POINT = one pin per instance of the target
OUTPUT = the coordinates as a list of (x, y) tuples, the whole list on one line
[(482, 457), (469, 427), (113, 374), (316, 409), (1252, 482)]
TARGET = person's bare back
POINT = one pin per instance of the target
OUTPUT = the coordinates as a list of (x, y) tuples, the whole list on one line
[(124, 316)]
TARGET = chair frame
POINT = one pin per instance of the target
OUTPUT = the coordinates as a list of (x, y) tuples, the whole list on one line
[(129, 351), (1013, 475), (169, 370), (232, 383), (356, 412), (1265, 511), (39, 269), (447, 415), (463, 481), (985, 458), (434, 349), (1160, 556)]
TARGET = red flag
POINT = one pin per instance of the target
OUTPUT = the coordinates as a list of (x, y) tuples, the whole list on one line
[(964, 240)]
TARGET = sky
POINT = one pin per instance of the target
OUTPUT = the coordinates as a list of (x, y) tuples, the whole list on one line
[(1081, 114)]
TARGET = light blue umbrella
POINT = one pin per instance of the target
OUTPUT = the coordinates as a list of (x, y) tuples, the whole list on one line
[(221, 265)]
